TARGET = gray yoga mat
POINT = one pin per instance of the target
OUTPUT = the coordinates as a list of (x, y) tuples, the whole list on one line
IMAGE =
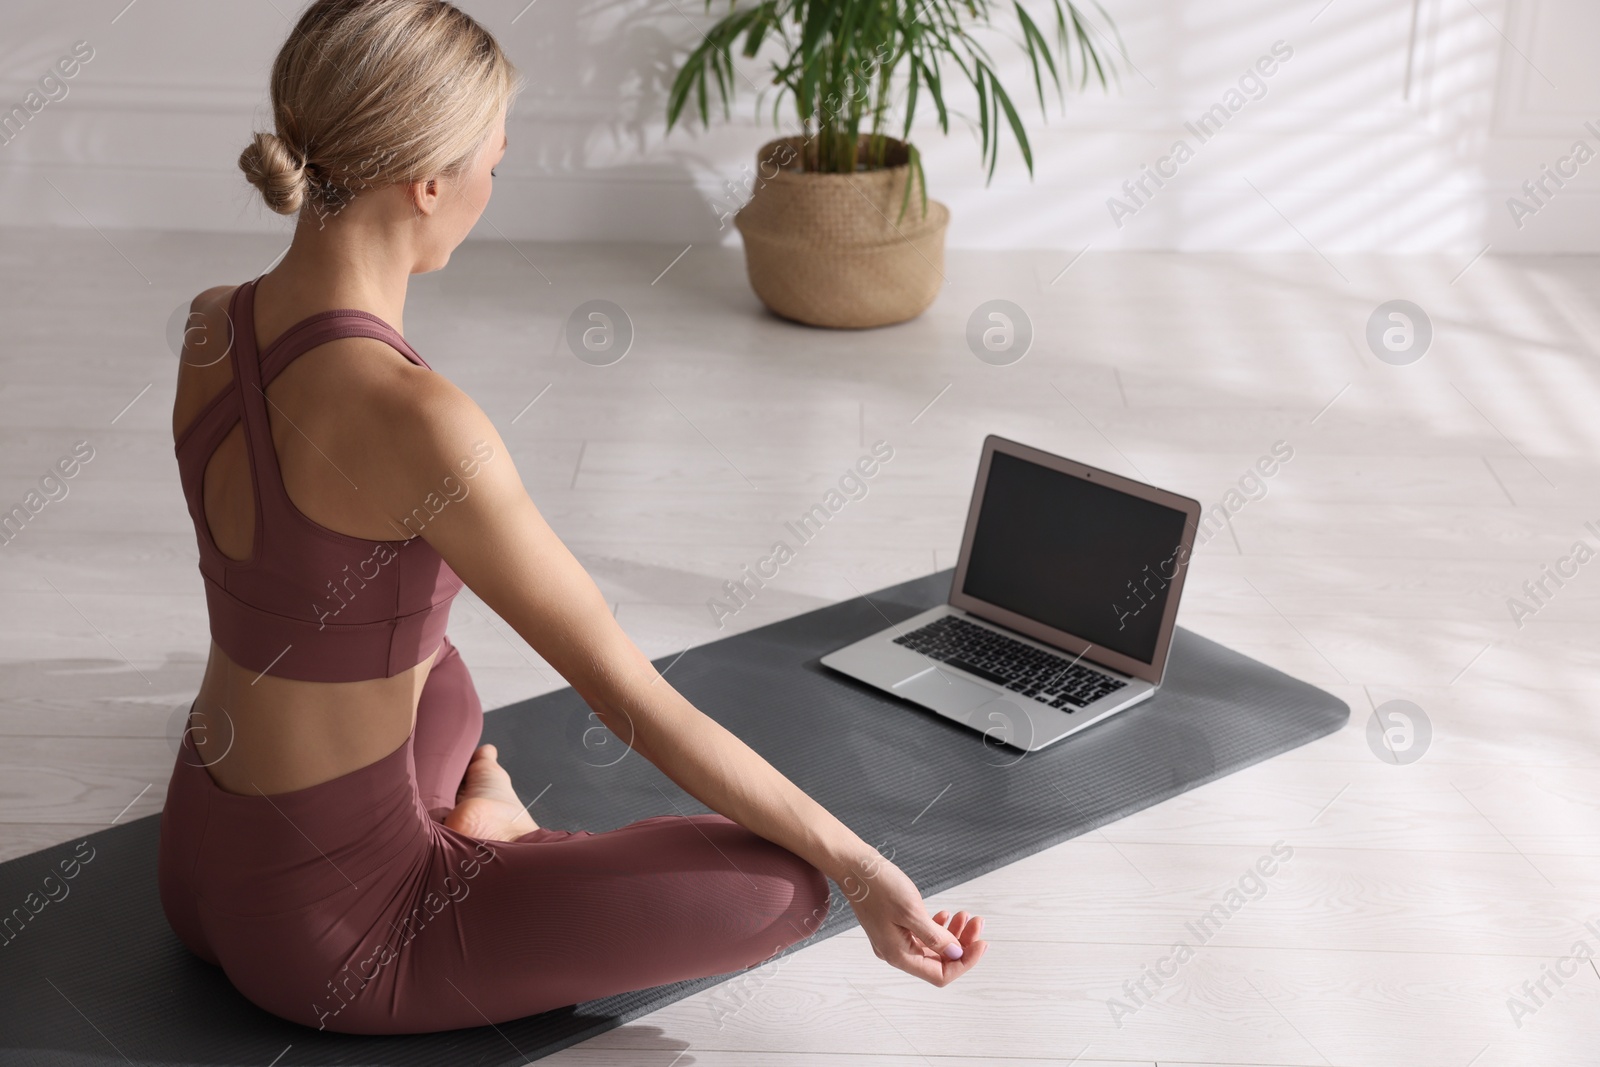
[(98, 978)]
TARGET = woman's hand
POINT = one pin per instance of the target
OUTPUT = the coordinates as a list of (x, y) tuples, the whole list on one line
[(938, 949)]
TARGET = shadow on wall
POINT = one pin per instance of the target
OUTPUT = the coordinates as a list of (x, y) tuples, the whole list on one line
[(1290, 161), (591, 120)]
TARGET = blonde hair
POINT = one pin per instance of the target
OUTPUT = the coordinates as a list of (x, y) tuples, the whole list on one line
[(376, 92)]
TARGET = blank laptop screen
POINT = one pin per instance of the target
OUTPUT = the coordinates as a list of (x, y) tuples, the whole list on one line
[(1075, 555)]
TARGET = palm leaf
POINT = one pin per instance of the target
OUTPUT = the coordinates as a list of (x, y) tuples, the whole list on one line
[(854, 69)]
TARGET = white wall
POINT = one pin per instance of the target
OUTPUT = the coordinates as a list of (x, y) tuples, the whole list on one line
[(1397, 125)]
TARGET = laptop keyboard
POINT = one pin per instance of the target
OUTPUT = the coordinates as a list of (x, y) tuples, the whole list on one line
[(1021, 668)]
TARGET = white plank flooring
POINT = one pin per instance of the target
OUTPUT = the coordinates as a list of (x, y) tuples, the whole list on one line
[(1419, 897)]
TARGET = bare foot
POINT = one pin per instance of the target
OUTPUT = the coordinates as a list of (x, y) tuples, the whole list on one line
[(486, 805)]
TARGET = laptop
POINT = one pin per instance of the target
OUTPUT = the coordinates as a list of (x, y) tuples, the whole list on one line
[(1061, 610)]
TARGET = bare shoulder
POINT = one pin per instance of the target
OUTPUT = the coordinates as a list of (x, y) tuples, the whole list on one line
[(203, 369), (215, 297), (425, 415), (430, 434), (208, 320)]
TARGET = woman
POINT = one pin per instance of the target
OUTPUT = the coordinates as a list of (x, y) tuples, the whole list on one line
[(334, 838)]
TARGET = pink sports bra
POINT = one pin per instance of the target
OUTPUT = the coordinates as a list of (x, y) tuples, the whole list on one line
[(310, 603)]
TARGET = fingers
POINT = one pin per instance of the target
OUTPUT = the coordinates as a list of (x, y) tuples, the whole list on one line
[(937, 937), (966, 927), (928, 951), (958, 926), (956, 968), (973, 948), (936, 971), (924, 967), (972, 935)]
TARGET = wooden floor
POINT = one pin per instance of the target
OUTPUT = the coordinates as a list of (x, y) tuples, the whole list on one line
[(1419, 898)]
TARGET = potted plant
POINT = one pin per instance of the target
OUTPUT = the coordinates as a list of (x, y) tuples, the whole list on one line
[(839, 230)]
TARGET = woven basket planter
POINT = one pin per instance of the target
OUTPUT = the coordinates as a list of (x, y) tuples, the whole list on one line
[(833, 249)]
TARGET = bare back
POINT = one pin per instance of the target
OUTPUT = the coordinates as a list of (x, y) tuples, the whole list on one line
[(261, 733)]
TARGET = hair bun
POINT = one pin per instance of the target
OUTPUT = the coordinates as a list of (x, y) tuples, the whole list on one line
[(277, 170)]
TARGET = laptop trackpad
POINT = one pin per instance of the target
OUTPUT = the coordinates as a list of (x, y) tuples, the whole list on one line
[(944, 690)]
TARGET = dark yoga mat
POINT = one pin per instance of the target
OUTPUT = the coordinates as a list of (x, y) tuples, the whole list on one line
[(98, 978)]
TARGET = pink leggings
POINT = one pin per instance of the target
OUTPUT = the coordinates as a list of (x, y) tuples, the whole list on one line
[(348, 906)]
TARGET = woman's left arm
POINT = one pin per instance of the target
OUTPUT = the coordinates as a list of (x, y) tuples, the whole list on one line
[(497, 542), (491, 534)]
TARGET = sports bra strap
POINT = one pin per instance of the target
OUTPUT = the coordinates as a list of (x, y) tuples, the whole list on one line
[(253, 375), (327, 326)]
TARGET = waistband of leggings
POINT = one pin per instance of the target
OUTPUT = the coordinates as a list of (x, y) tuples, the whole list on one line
[(370, 813)]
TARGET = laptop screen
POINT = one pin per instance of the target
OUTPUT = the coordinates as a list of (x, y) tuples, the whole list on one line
[(1075, 555)]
